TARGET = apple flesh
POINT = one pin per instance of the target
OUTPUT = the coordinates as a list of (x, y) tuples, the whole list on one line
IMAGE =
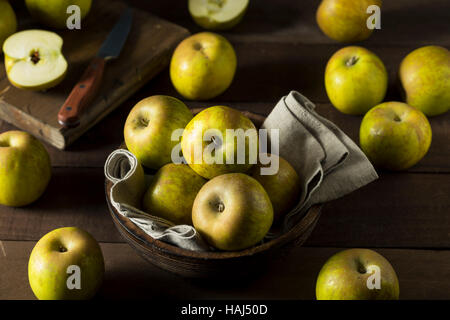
[(218, 14), (232, 212), (395, 136), (218, 118), (172, 192), (8, 21), (355, 80), (149, 127), (25, 168), (345, 20), (344, 277), (33, 59), (203, 66), (282, 187), (51, 257), (425, 77), (53, 13)]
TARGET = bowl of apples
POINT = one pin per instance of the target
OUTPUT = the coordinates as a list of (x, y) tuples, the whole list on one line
[(232, 205)]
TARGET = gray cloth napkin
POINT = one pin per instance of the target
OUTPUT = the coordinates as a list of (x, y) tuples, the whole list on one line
[(329, 163)]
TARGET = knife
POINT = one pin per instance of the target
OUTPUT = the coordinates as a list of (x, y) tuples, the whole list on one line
[(87, 87)]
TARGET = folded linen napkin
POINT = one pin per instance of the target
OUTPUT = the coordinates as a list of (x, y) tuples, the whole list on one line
[(329, 164)]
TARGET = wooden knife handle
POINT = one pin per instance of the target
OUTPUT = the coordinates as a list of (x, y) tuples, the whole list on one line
[(82, 94)]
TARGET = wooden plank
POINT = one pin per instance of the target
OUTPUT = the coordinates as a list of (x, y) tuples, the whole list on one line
[(147, 51), (423, 274), (403, 22)]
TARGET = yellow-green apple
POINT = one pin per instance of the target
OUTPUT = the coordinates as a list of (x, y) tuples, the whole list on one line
[(218, 14), (355, 80), (33, 59), (220, 140), (232, 212), (345, 20), (425, 77), (66, 264), (203, 66), (394, 135), (8, 21), (283, 187), (357, 274), (149, 128), (172, 192), (25, 168), (53, 13)]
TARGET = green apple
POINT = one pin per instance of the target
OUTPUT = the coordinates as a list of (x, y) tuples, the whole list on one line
[(345, 20), (395, 136), (203, 66), (232, 212), (50, 269), (8, 21), (283, 187), (425, 77), (218, 14), (33, 59), (355, 80), (25, 168), (149, 127), (172, 192), (53, 13), (210, 129), (347, 276)]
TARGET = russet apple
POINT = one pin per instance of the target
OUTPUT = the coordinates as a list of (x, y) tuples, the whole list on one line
[(172, 192), (425, 77), (33, 59), (346, 274), (25, 168), (217, 14), (218, 121), (355, 80), (203, 66), (283, 187), (55, 258), (149, 127), (345, 20), (53, 13), (8, 21), (395, 136), (232, 212)]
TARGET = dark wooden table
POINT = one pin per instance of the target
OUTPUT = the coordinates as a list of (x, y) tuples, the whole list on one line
[(404, 216)]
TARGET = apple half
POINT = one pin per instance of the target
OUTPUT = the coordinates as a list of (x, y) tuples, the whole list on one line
[(33, 59), (217, 14)]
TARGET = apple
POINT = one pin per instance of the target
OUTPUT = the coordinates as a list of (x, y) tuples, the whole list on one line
[(232, 212), (346, 274), (355, 80), (53, 13), (172, 192), (25, 168), (425, 77), (217, 14), (50, 273), (218, 120), (283, 187), (395, 136), (149, 127), (203, 66), (8, 21), (345, 20), (33, 59)]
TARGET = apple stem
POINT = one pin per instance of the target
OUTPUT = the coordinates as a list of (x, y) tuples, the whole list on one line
[(352, 61), (62, 249), (220, 207)]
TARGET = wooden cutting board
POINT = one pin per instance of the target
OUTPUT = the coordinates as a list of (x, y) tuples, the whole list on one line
[(147, 51)]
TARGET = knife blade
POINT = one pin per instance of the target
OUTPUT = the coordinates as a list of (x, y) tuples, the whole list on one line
[(87, 87)]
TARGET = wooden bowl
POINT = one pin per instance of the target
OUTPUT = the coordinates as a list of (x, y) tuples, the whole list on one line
[(213, 264)]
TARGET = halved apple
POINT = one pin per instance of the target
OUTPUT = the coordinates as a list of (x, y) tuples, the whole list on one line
[(33, 59), (217, 14)]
